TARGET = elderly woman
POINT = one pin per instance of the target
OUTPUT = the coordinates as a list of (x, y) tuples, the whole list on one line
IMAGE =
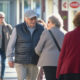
[(5, 31), (47, 49), (69, 59)]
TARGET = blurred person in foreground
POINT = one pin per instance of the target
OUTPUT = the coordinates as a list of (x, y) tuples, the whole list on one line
[(47, 49), (5, 31), (69, 59), (24, 38)]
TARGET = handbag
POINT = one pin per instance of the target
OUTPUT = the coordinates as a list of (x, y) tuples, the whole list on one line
[(54, 39)]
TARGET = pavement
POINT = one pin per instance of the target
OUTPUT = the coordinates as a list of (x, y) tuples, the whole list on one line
[(10, 73)]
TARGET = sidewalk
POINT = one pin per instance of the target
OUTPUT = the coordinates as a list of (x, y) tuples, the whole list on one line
[(10, 73)]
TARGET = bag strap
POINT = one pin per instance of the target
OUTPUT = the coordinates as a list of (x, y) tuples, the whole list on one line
[(55, 40)]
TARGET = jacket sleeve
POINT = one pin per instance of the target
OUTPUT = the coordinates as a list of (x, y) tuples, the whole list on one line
[(11, 45), (61, 56), (41, 43), (10, 28)]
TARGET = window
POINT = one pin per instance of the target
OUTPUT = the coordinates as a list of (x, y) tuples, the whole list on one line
[(5, 7)]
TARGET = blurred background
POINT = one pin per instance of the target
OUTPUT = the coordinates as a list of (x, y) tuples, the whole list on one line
[(14, 10)]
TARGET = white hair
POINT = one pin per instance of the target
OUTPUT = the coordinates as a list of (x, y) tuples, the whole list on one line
[(2, 14)]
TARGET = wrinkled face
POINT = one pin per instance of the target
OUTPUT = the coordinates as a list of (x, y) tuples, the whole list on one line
[(31, 21), (50, 24), (1, 20)]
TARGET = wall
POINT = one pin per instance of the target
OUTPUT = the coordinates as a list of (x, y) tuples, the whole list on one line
[(49, 8)]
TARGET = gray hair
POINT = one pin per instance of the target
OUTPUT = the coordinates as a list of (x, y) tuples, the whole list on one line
[(55, 21)]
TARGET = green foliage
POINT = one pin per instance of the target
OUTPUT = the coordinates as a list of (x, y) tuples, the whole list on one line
[(64, 17)]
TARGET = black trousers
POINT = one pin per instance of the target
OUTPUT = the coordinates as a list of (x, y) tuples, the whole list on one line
[(50, 72)]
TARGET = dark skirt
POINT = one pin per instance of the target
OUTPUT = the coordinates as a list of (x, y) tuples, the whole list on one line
[(69, 77)]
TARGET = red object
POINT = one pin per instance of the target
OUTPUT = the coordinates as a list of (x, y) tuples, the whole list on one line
[(65, 5), (74, 4), (69, 59)]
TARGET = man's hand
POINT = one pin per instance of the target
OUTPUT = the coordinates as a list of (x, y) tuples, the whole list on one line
[(11, 64)]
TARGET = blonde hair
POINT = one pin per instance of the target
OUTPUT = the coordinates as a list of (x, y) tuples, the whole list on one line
[(76, 20), (3, 15)]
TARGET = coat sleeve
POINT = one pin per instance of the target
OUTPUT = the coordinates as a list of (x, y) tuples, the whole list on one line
[(11, 45), (10, 28), (41, 43), (61, 56)]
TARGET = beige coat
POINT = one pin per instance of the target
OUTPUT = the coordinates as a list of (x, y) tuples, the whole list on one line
[(47, 49)]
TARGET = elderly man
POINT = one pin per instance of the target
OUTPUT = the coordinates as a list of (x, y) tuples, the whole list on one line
[(5, 31), (24, 38)]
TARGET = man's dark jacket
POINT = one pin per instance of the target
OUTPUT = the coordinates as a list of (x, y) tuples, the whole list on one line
[(25, 44)]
